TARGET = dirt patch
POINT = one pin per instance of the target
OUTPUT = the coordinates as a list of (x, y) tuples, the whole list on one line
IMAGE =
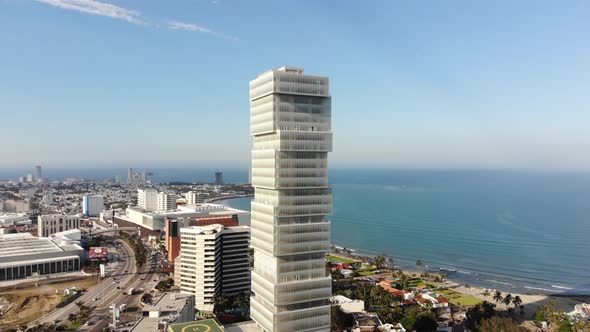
[(25, 303)]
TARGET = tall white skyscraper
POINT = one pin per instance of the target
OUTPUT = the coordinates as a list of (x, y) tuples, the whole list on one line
[(291, 124)]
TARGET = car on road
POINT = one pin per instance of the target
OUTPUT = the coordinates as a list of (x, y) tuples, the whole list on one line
[(56, 321), (95, 299)]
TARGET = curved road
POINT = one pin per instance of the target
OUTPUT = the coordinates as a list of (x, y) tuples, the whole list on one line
[(104, 291)]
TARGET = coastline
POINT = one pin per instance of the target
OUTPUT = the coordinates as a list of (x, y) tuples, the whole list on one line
[(459, 279), (217, 199)]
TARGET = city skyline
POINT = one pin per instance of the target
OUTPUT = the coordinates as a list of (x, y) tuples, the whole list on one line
[(451, 85)]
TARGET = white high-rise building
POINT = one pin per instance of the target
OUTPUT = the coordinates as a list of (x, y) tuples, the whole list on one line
[(166, 201), (213, 260), (291, 124), (92, 206), (193, 197), (147, 199)]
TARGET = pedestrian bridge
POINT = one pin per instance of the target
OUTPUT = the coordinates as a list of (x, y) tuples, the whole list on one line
[(114, 229)]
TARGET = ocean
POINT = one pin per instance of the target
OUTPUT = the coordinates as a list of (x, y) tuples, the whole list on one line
[(514, 231), (526, 232)]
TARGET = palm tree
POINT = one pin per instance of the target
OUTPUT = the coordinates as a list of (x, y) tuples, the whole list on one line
[(508, 299), (419, 263), (379, 261), (516, 301), (486, 293), (498, 296)]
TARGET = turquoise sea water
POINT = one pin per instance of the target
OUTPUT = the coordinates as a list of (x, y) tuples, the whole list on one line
[(514, 231)]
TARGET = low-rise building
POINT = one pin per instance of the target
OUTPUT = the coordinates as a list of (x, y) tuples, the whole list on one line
[(23, 255), (49, 224), (154, 222), (347, 305), (208, 325), (169, 309)]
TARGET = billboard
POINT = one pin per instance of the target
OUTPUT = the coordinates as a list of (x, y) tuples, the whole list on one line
[(98, 253)]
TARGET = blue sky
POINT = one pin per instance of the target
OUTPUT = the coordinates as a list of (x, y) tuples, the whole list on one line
[(415, 84)]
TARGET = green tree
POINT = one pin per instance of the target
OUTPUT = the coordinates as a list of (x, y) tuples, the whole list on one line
[(219, 302), (498, 296), (477, 313), (517, 301), (425, 323), (379, 261), (499, 324), (242, 301), (486, 293), (508, 299)]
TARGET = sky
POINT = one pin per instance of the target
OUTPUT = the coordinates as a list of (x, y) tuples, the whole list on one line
[(414, 84)]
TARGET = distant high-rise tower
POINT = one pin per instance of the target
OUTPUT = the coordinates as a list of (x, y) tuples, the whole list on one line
[(291, 124), (38, 173), (218, 178), (130, 175)]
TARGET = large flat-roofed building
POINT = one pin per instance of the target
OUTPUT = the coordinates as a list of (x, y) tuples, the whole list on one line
[(213, 260), (291, 126), (23, 255), (154, 222), (49, 224), (12, 219), (170, 308), (173, 226)]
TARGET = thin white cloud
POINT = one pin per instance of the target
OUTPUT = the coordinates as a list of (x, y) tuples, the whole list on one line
[(98, 8), (176, 25)]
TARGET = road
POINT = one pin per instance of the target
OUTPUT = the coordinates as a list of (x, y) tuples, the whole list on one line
[(103, 292), (101, 318)]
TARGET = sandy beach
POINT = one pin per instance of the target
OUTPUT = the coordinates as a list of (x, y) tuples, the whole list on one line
[(531, 302)]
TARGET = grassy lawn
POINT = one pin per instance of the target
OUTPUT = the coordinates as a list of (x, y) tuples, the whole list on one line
[(367, 272), (339, 259), (458, 298), (465, 300)]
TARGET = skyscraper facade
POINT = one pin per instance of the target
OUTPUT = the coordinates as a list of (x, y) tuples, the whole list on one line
[(218, 178), (291, 125), (38, 173)]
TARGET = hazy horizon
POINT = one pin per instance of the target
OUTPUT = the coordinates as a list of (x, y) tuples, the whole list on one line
[(451, 85)]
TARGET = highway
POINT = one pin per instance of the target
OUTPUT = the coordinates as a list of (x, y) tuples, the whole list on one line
[(101, 294), (101, 316)]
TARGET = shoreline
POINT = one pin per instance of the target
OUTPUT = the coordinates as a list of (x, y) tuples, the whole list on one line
[(530, 302), (472, 279), (217, 199)]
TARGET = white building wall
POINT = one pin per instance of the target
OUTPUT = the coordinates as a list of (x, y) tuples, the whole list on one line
[(166, 201), (92, 206), (291, 125), (50, 224), (213, 260), (147, 199)]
